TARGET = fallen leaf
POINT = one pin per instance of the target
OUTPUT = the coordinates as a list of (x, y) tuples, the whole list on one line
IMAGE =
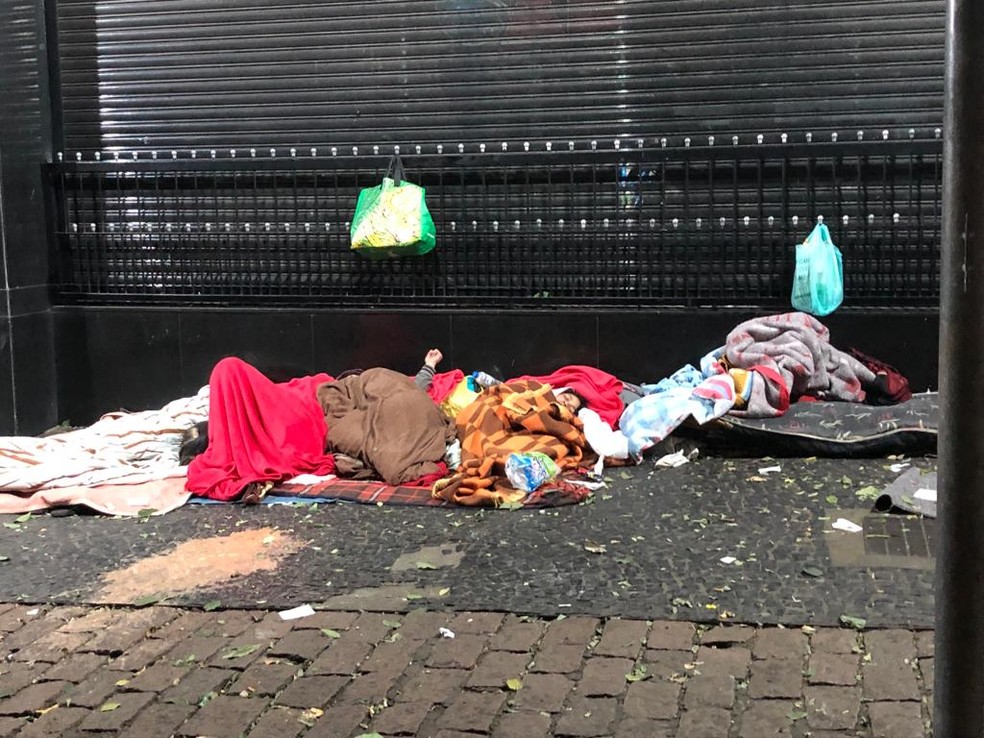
[(796, 715), (23, 518), (853, 622), (637, 674), (392, 623), (329, 633), (757, 478), (425, 565), (443, 592), (267, 540), (212, 605), (186, 661), (831, 499), (310, 715), (240, 651), (109, 707), (147, 600), (812, 571), (868, 493), (122, 682), (595, 548), (411, 597), (514, 684)]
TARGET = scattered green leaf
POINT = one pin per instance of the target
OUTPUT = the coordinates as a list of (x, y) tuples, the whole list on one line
[(392, 623), (145, 514), (868, 493), (109, 706), (412, 597), (511, 506), (514, 684), (329, 633), (853, 622), (12, 526), (206, 698), (637, 674), (831, 499), (795, 715), (812, 571), (212, 605), (186, 661), (147, 600), (23, 518), (444, 592), (240, 651)]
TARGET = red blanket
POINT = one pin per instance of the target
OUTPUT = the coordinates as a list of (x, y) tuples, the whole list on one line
[(443, 383), (601, 390), (258, 431)]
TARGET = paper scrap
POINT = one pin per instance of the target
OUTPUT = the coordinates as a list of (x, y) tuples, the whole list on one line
[(728, 559), (846, 525), (309, 479), (446, 632), (925, 494), (767, 469), (298, 612), (898, 467), (33, 612), (672, 460)]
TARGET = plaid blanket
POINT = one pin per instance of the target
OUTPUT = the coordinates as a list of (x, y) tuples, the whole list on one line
[(554, 494), (512, 417)]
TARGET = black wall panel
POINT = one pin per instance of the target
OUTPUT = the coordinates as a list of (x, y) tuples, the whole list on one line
[(182, 74)]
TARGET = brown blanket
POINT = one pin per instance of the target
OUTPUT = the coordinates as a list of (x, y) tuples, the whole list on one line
[(380, 418)]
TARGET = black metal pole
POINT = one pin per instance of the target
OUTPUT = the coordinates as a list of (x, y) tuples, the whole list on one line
[(959, 690)]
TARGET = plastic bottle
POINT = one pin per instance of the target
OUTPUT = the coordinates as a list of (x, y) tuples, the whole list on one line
[(485, 380), (529, 470)]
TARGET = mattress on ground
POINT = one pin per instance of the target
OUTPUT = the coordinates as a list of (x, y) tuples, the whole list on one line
[(836, 429)]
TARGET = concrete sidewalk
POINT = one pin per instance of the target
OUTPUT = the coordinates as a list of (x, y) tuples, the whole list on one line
[(76, 671)]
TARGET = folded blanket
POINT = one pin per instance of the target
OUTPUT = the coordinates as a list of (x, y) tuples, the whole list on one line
[(513, 417), (258, 431), (382, 419), (601, 391), (797, 347)]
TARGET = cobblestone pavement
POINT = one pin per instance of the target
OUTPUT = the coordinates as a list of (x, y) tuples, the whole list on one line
[(76, 671)]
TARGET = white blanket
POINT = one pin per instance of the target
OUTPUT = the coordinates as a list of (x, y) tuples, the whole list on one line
[(119, 447)]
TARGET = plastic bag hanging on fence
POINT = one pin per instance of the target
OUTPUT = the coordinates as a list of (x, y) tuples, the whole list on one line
[(391, 219), (818, 284)]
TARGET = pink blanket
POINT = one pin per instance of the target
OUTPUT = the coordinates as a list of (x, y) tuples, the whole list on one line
[(796, 346), (161, 496)]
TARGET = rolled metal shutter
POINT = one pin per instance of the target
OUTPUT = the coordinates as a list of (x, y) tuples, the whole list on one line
[(194, 74)]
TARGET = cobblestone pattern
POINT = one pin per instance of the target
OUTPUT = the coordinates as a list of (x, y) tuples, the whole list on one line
[(87, 672)]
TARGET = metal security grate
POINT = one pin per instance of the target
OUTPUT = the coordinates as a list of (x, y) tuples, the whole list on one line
[(559, 225), (895, 535)]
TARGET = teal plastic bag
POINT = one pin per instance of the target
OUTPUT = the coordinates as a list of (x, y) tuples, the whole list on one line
[(392, 218), (818, 284)]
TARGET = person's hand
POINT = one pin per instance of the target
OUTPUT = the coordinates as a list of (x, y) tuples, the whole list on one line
[(433, 358)]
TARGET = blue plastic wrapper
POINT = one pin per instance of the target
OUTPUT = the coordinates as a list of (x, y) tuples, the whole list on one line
[(528, 471)]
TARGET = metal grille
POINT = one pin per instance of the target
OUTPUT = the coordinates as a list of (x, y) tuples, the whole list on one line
[(140, 75), (896, 535), (626, 226)]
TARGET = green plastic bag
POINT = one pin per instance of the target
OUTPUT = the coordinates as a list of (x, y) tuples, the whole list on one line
[(818, 284), (392, 219)]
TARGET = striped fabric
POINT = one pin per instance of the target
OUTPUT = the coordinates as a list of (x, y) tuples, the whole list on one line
[(510, 418)]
